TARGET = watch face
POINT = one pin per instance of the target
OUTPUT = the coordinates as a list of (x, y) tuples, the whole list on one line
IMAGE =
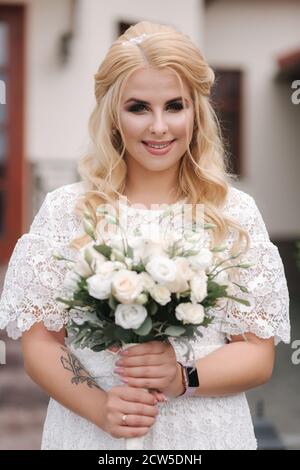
[(192, 376)]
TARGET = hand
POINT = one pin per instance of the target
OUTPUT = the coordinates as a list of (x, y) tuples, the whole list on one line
[(151, 365), (139, 407)]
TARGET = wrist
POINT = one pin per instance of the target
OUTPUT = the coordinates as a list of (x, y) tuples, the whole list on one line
[(176, 387), (98, 410), (190, 380)]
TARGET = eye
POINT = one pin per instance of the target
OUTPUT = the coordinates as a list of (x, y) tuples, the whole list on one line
[(136, 108), (175, 106)]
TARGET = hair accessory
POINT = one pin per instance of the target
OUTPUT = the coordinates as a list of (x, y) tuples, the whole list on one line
[(135, 40)]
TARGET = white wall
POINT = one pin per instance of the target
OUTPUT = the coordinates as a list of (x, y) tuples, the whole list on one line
[(250, 35)]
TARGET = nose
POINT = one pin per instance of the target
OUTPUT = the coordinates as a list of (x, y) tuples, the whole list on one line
[(159, 125)]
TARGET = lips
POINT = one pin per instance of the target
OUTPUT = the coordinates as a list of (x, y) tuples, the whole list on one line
[(154, 142), (156, 150)]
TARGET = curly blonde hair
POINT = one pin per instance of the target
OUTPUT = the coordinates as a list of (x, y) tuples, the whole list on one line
[(203, 174)]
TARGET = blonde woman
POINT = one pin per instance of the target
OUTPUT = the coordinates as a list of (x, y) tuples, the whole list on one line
[(155, 140)]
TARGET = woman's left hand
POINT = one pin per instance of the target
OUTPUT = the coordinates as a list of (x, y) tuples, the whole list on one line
[(151, 365)]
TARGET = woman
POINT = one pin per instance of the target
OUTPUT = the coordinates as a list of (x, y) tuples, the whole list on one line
[(155, 140)]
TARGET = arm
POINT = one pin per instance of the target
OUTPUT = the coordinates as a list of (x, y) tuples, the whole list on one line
[(237, 366), (56, 370), (233, 368)]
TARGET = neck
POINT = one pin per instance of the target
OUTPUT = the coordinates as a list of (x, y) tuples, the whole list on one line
[(147, 187)]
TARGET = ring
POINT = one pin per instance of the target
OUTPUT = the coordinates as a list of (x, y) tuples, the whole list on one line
[(124, 417)]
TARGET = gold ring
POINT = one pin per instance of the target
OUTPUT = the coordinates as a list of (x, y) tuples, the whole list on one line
[(124, 417)]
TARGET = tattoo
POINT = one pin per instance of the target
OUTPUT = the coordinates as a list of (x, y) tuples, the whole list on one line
[(73, 364)]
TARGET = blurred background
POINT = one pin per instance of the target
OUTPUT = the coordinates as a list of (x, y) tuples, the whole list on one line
[(49, 51)]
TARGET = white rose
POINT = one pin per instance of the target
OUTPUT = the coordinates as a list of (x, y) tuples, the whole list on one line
[(183, 275), (99, 287), (147, 281), (145, 248), (199, 287), (190, 313), (202, 260), (106, 269), (162, 269), (130, 316), (161, 294), (126, 286), (71, 280)]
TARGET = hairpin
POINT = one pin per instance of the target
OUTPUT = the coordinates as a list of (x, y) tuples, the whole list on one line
[(135, 40)]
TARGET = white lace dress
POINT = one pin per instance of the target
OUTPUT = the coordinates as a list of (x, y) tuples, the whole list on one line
[(34, 279)]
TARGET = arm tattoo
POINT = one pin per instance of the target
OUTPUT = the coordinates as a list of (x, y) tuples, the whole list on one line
[(73, 364)]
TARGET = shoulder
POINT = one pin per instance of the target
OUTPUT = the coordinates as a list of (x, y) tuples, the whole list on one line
[(58, 211), (237, 198), (67, 194), (242, 207)]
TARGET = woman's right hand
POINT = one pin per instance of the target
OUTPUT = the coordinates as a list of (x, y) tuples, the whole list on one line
[(137, 405)]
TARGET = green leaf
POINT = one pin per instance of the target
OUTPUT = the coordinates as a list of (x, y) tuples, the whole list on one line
[(112, 303), (152, 308), (175, 330), (105, 250), (145, 328), (129, 252), (241, 301)]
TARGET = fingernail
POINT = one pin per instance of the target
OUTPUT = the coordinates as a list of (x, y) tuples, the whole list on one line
[(123, 353), (119, 370), (119, 363), (124, 380)]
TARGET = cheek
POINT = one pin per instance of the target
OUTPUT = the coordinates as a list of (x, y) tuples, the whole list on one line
[(132, 127), (183, 124)]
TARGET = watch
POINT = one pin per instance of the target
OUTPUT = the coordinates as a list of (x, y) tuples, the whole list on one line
[(190, 380)]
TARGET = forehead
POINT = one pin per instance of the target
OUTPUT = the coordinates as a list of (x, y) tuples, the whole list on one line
[(150, 82)]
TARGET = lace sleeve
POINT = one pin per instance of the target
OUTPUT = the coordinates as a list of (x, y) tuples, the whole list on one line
[(268, 314), (34, 279)]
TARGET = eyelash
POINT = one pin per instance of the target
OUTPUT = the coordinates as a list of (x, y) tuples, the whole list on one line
[(139, 107)]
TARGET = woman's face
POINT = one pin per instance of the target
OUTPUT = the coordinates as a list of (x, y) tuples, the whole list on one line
[(153, 115)]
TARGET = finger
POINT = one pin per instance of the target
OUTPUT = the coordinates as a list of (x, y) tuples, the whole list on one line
[(132, 394), (129, 431), (139, 421), (144, 360), (160, 397), (154, 347), (144, 383), (139, 409), (141, 372)]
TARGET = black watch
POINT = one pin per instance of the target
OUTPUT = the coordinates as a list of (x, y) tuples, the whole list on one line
[(190, 380)]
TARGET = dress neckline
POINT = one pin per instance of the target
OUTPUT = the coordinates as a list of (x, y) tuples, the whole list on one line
[(142, 210)]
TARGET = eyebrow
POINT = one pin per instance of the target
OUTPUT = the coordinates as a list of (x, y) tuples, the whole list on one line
[(146, 102)]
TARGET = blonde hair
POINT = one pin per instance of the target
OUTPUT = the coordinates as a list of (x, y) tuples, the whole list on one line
[(203, 174)]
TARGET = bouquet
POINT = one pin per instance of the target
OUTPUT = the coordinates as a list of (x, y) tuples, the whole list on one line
[(140, 287)]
